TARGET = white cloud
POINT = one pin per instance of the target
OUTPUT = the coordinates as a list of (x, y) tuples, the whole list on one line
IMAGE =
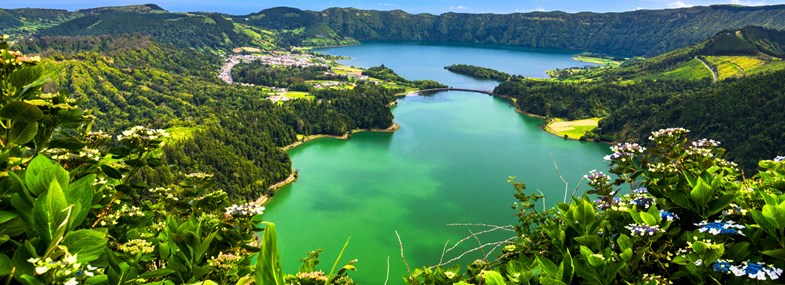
[(459, 7), (748, 3), (679, 4)]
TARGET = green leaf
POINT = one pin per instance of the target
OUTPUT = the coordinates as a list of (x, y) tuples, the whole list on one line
[(702, 193), (268, 263), (776, 253), (31, 77), (88, 245), (6, 216), (111, 172), (5, 265), (493, 278), (50, 212), (21, 112), (81, 193), (22, 132), (648, 219), (548, 267), (67, 143), (41, 172)]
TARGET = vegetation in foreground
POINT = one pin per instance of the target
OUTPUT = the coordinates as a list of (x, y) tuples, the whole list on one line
[(673, 213), (75, 209), (479, 72)]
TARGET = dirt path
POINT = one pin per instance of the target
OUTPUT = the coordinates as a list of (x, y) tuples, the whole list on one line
[(713, 73)]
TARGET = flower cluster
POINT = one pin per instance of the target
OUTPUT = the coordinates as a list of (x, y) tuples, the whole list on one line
[(734, 210), (142, 133), (67, 270), (699, 151), (198, 175), (249, 209), (124, 212), (663, 168), (605, 204), (779, 159), (722, 265), (224, 261), (705, 143), (316, 277), (97, 138), (654, 279), (642, 230), (719, 227), (165, 192), (669, 132), (597, 178), (624, 151), (642, 203), (668, 216), (135, 246), (754, 270), (63, 155)]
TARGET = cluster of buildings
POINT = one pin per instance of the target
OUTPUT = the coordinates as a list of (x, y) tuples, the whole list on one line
[(279, 59)]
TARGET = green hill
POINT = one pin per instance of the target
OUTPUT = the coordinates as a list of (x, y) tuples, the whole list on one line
[(644, 32), (730, 53)]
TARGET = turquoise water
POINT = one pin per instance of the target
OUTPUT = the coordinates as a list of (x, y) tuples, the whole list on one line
[(447, 164)]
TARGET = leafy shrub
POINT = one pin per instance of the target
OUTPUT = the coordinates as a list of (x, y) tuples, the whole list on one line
[(689, 216)]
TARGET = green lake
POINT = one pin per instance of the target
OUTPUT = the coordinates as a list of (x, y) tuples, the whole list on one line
[(447, 164)]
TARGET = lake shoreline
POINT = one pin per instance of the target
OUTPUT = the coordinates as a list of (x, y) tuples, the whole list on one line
[(264, 199)]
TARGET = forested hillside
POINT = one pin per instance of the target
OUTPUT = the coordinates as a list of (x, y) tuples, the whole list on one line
[(644, 32), (228, 130), (743, 108)]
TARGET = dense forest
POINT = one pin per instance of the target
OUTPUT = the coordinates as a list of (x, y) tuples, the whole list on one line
[(135, 81), (291, 77), (479, 72), (744, 112), (643, 32)]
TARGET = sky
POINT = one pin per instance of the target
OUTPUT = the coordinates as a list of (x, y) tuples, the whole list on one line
[(242, 7)]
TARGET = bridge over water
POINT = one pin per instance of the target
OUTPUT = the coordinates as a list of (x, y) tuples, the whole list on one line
[(457, 89)]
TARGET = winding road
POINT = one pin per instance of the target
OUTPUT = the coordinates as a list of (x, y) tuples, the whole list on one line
[(713, 73)]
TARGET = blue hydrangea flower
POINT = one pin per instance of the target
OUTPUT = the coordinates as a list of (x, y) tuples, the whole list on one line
[(642, 203), (756, 270), (668, 215), (640, 191), (722, 265), (719, 227), (604, 204)]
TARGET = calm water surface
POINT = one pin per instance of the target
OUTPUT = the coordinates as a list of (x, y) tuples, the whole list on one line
[(447, 164)]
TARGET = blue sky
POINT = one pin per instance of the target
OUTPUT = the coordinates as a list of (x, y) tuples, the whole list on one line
[(240, 7)]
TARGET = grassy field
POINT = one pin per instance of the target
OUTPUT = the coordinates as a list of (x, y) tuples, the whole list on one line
[(692, 69), (597, 60), (572, 129), (735, 66), (178, 134), (299, 95)]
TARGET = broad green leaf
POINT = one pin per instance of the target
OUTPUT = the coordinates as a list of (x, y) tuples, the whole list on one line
[(648, 219), (774, 215), (548, 267), (22, 132), (49, 212), (5, 265), (28, 78), (156, 273), (111, 172), (702, 193), (493, 278), (550, 281), (268, 264), (21, 112), (40, 182), (88, 245), (6, 216), (776, 253), (81, 193), (739, 251)]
